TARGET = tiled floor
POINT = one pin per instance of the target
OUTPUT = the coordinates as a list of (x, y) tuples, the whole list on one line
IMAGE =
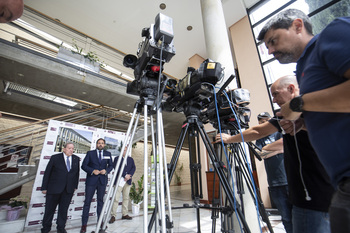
[(184, 219)]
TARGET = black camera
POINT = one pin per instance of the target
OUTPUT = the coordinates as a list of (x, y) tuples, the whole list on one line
[(230, 106), (194, 87), (155, 49)]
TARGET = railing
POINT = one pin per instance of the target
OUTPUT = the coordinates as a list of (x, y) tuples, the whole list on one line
[(21, 145), (45, 35)]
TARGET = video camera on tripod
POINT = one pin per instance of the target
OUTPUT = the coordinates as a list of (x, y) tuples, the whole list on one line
[(239, 99), (194, 88), (194, 95), (155, 49)]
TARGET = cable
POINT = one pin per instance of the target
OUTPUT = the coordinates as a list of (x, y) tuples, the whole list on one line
[(307, 196), (245, 153), (229, 165)]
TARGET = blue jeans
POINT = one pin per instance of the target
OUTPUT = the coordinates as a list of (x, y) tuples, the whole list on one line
[(340, 208), (279, 196), (310, 221)]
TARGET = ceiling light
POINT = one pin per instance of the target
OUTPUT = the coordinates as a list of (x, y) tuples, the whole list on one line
[(189, 28), (162, 6), (39, 94)]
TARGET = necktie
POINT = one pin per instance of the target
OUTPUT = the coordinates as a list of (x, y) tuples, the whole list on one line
[(99, 156), (68, 164)]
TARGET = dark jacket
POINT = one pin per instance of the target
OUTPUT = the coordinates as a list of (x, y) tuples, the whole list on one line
[(91, 162), (130, 168), (57, 178)]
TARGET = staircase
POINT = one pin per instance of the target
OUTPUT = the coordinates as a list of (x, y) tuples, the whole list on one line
[(21, 146)]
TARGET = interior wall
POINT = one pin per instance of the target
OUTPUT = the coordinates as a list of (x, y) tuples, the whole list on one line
[(195, 61), (252, 78)]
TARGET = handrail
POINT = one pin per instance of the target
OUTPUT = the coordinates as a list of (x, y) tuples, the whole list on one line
[(52, 118)]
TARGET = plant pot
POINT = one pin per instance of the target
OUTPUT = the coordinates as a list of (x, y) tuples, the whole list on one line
[(13, 213), (135, 208), (78, 59)]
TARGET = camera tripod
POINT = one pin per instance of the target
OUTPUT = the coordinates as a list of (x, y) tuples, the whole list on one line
[(145, 103), (193, 126), (242, 174)]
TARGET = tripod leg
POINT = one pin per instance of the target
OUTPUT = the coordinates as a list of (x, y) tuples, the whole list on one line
[(223, 181), (172, 167), (250, 182), (145, 168), (169, 223), (104, 213)]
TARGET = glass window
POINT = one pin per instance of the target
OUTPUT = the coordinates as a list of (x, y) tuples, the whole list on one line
[(320, 13), (265, 9)]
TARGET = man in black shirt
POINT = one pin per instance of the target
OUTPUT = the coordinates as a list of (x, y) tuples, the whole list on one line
[(310, 191)]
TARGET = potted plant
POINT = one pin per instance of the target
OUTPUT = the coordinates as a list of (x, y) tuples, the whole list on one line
[(178, 178), (136, 195), (16, 205), (76, 55)]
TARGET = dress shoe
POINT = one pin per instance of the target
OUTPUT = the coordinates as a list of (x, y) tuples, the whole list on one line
[(83, 229), (127, 217), (112, 220), (61, 231)]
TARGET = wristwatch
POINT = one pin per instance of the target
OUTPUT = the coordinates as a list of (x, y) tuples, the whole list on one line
[(296, 104)]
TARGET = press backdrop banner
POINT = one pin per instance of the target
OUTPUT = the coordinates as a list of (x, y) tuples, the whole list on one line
[(84, 139)]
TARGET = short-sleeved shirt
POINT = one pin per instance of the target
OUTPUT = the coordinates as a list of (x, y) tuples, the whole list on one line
[(312, 171), (322, 65)]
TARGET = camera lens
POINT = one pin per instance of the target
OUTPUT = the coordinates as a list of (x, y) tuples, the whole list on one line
[(130, 61)]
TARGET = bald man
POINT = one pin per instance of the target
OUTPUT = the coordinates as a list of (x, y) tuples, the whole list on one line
[(310, 190), (10, 10)]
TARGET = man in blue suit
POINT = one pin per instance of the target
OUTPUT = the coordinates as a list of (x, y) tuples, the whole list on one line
[(123, 186), (60, 180), (97, 164)]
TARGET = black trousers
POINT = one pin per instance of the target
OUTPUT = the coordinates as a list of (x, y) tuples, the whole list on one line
[(52, 200)]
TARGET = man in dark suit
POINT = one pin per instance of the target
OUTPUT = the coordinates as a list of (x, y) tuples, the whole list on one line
[(97, 164), (60, 180), (123, 186)]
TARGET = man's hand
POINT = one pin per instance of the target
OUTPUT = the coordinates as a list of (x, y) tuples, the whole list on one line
[(287, 113), (103, 172), (44, 191), (289, 128), (127, 177), (225, 137), (96, 172)]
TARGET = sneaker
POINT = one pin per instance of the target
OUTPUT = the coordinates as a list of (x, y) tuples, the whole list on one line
[(112, 220), (127, 217)]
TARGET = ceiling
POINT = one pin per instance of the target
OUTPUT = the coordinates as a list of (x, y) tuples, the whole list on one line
[(118, 24)]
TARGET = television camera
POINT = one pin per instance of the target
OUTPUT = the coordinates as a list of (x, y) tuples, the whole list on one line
[(194, 94), (239, 99), (195, 89), (155, 49)]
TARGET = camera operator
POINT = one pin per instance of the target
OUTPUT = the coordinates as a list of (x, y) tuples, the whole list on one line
[(310, 191), (272, 153), (323, 72)]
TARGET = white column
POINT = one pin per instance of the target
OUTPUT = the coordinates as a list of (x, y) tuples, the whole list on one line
[(219, 50), (216, 37)]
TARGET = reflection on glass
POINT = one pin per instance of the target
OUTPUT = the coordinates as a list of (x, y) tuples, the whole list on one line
[(266, 8), (322, 19), (274, 70)]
